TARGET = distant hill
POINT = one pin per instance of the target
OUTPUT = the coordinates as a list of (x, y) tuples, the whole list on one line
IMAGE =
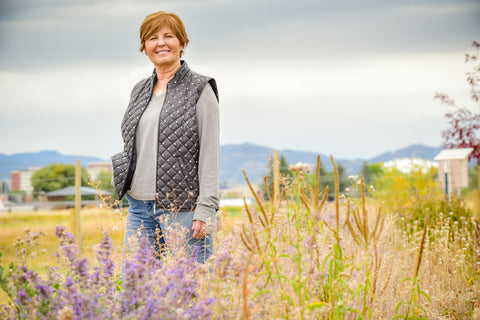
[(416, 150), (235, 157), (22, 161), (253, 159)]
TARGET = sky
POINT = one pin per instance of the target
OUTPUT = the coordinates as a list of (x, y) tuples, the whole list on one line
[(352, 79)]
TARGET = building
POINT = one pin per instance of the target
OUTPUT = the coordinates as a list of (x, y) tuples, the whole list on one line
[(408, 165), (94, 168), (453, 168), (21, 180)]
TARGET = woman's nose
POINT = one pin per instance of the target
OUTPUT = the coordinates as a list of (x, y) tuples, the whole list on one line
[(161, 41)]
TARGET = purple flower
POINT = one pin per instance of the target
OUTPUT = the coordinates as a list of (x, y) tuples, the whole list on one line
[(82, 267)]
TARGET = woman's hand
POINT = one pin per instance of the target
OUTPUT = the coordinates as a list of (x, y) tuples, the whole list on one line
[(199, 229)]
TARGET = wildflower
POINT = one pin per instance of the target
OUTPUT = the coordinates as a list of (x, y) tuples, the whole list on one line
[(66, 313), (22, 297), (115, 228), (300, 167), (82, 267)]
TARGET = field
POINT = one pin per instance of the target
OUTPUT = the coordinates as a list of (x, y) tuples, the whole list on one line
[(94, 221), (299, 258)]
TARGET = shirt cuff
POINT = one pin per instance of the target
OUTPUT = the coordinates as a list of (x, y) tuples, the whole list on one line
[(206, 209)]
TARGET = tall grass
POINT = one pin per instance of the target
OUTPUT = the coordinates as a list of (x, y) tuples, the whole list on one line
[(304, 258)]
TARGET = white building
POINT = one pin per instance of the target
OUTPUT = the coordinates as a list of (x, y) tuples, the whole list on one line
[(407, 165)]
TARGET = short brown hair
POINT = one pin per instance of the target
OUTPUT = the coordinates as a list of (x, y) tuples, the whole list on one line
[(155, 21)]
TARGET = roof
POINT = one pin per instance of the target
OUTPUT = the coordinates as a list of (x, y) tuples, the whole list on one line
[(454, 154), (70, 191)]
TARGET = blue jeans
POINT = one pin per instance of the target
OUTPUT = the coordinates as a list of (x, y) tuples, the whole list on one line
[(164, 230)]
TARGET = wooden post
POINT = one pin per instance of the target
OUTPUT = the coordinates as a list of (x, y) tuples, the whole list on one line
[(76, 227), (276, 179)]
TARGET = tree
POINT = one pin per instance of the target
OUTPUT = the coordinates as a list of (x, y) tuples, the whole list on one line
[(4, 187), (371, 172), (56, 176), (105, 179), (284, 172), (310, 178), (328, 179), (104, 182), (463, 122)]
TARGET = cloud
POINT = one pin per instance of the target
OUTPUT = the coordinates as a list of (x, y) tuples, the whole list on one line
[(351, 78)]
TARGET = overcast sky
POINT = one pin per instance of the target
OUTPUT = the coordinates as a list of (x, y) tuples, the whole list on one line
[(348, 78)]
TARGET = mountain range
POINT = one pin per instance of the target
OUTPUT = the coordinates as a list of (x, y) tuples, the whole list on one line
[(253, 159), (235, 157)]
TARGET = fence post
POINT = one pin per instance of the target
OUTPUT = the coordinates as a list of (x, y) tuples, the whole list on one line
[(76, 226), (276, 179)]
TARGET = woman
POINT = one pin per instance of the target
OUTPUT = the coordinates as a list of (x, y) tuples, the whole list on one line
[(169, 169)]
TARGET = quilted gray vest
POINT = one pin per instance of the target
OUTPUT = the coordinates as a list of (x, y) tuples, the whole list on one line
[(178, 143)]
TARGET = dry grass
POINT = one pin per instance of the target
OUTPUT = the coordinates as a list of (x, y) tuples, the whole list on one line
[(309, 259), (302, 260), (93, 220)]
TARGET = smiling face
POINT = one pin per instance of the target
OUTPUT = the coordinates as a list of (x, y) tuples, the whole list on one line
[(163, 48)]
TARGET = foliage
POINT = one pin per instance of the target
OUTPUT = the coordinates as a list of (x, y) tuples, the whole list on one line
[(438, 208), (4, 188), (473, 178), (416, 292), (325, 179), (397, 190), (463, 122), (299, 258), (105, 179), (328, 179), (17, 195), (371, 172), (56, 176), (104, 182), (80, 291), (284, 172)]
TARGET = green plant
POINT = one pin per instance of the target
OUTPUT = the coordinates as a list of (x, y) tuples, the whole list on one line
[(414, 304), (367, 239)]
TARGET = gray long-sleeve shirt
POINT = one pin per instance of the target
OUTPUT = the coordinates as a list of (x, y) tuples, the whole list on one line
[(143, 181)]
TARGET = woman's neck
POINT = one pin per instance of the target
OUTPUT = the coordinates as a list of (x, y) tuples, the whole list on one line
[(165, 74)]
